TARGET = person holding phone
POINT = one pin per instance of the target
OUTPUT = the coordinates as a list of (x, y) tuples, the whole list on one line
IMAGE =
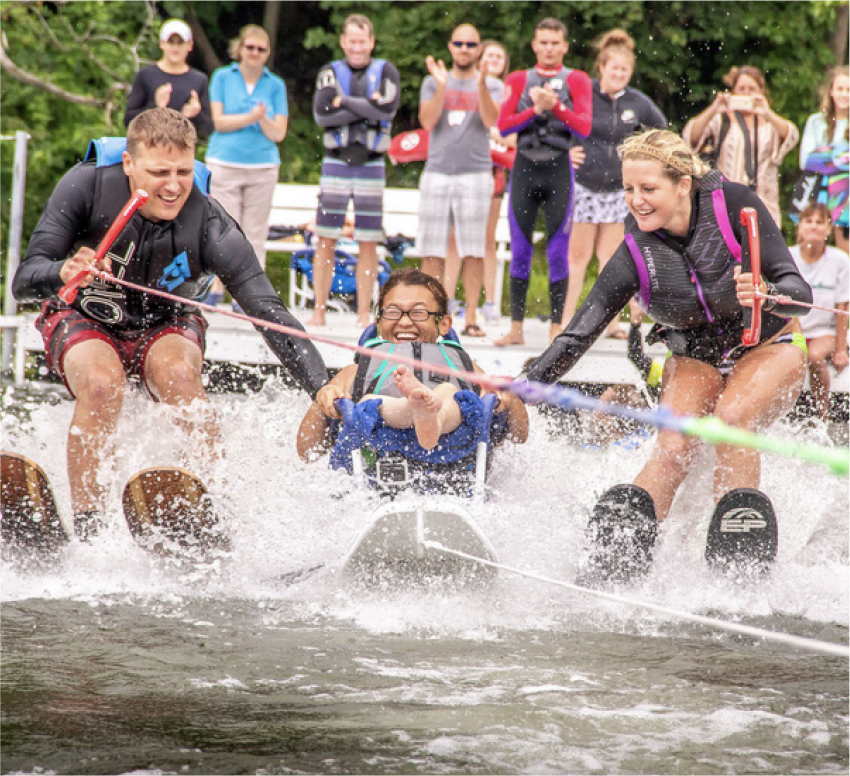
[(749, 140)]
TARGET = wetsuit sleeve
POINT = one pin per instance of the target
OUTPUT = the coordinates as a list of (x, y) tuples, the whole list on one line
[(325, 113), (510, 121), (382, 108), (63, 221), (579, 119), (777, 265), (137, 101), (651, 116), (616, 285), (230, 256)]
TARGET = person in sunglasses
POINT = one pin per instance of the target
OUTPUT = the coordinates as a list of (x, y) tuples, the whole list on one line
[(251, 116), (412, 320), (355, 101), (458, 106)]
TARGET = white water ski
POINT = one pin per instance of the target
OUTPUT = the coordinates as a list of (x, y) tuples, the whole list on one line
[(390, 551)]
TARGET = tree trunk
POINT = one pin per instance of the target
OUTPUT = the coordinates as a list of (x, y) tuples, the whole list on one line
[(838, 44), (202, 43), (271, 22)]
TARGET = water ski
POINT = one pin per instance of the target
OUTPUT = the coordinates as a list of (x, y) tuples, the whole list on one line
[(742, 535), (621, 535), (390, 551), (170, 512), (33, 534)]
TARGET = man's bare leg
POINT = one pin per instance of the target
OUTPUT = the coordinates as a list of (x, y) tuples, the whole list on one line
[(173, 370), (95, 375), (473, 280), (323, 272)]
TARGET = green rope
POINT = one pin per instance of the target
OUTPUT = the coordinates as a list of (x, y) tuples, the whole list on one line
[(716, 431)]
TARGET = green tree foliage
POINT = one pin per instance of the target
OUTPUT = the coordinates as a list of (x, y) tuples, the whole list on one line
[(683, 49)]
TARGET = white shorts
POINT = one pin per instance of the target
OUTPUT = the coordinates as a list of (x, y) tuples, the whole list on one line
[(462, 201)]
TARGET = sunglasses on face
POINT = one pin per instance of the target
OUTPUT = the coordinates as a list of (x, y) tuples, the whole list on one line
[(249, 47), (465, 44), (416, 315)]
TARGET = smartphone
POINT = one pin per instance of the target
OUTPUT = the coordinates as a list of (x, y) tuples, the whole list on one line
[(740, 102)]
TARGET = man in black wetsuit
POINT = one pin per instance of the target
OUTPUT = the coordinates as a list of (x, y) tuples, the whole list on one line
[(176, 242)]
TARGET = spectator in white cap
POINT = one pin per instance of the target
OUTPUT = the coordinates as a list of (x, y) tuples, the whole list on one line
[(171, 83)]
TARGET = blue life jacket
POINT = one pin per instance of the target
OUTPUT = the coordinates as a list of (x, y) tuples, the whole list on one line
[(375, 135)]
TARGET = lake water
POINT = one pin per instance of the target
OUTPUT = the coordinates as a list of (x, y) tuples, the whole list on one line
[(117, 662)]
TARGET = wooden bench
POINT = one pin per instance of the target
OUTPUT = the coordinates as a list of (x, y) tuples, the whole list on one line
[(294, 205)]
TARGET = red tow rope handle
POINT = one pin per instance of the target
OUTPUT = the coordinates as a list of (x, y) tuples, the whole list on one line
[(752, 257), (68, 292)]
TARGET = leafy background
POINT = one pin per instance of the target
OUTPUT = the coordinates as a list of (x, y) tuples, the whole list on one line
[(93, 49)]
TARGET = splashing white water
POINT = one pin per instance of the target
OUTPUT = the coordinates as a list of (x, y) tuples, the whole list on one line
[(285, 515)]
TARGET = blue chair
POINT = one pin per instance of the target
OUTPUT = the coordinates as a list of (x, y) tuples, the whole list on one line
[(344, 281), (391, 473)]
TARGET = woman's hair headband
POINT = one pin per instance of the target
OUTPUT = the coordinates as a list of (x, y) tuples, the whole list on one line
[(685, 167)]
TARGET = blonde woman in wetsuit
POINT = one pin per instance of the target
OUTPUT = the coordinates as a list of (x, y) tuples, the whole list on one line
[(681, 256)]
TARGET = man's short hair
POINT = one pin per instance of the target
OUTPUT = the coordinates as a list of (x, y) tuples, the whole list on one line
[(361, 21), (552, 24), (161, 127)]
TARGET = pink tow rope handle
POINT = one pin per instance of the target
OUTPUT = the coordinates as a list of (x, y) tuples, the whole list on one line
[(751, 262), (68, 292)]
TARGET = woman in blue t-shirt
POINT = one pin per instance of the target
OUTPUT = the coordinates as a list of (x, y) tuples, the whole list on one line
[(250, 114)]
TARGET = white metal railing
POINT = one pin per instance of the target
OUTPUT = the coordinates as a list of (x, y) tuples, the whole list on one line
[(11, 345)]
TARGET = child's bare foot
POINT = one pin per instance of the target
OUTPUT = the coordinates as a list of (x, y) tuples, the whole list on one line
[(424, 406)]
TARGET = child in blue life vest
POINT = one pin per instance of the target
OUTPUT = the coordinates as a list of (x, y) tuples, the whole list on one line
[(419, 410)]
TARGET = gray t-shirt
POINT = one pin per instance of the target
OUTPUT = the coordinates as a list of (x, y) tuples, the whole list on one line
[(460, 143)]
